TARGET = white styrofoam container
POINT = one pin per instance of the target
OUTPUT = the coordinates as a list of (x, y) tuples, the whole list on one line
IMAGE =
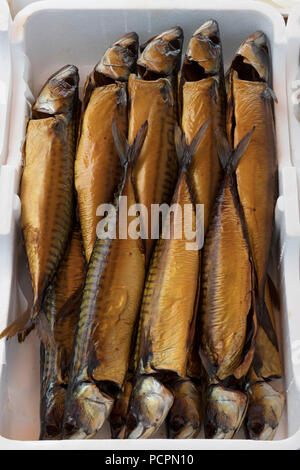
[(49, 34), (5, 79), (283, 6)]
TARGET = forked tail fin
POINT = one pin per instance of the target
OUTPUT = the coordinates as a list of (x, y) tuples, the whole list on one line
[(230, 159), (128, 154), (24, 324), (184, 151), (17, 327)]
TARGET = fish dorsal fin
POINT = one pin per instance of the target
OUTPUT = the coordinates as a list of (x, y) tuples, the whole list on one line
[(127, 153), (184, 151)]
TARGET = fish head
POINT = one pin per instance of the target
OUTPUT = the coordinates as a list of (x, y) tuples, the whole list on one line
[(58, 94), (252, 60), (52, 412), (149, 405), (204, 53), (161, 55), (119, 60), (224, 413), (184, 419), (264, 413), (86, 411)]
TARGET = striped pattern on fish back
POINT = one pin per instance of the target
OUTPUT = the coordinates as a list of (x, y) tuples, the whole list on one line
[(156, 169), (47, 198)]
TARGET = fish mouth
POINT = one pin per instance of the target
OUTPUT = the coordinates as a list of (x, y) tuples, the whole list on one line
[(86, 412), (225, 412), (252, 60), (160, 55), (149, 405), (56, 94), (204, 53)]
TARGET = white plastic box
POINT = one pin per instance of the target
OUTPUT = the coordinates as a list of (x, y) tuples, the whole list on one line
[(49, 34)]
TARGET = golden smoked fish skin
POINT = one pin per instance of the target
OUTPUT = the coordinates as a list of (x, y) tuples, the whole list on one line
[(227, 320), (167, 313), (47, 182), (224, 313), (250, 104), (202, 98), (97, 165), (152, 97), (61, 306), (227, 315), (117, 308), (156, 169), (109, 308), (169, 305)]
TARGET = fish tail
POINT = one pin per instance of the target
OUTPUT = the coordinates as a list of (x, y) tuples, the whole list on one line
[(230, 159), (24, 324), (18, 327), (127, 153), (265, 322), (184, 151), (23, 335)]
